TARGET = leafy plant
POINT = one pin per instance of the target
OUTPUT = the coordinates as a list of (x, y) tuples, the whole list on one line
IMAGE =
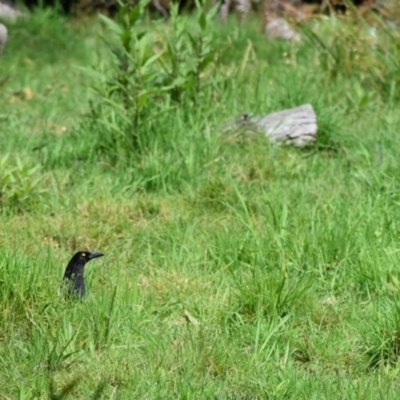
[(20, 185), (126, 96), (147, 71), (190, 49)]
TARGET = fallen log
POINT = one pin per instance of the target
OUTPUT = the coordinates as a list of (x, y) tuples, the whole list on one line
[(3, 37), (295, 126)]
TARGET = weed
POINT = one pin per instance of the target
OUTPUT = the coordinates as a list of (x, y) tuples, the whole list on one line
[(148, 70), (21, 186)]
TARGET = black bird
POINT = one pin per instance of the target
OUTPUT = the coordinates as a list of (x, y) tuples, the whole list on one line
[(73, 276)]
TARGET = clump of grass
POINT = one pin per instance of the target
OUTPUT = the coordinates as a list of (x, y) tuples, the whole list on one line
[(381, 335), (269, 294)]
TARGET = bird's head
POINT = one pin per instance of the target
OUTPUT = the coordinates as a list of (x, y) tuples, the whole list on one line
[(88, 255), (83, 256)]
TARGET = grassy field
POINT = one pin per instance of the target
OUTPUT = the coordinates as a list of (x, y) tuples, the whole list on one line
[(233, 269)]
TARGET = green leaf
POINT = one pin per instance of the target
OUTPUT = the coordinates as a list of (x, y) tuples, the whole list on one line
[(152, 59), (203, 21), (134, 15), (126, 37), (206, 61), (213, 11), (111, 25), (143, 97), (193, 40), (174, 11), (4, 160)]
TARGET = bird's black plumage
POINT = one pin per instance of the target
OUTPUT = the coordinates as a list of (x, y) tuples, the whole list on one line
[(73, 276)]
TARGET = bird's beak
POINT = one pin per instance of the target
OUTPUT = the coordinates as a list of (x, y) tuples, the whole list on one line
[(95, 254)]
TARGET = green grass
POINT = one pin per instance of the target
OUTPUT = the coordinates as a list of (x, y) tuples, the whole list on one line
[(234, 269)]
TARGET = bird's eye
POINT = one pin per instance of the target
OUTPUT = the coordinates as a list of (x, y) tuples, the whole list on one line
[(83, 254)]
